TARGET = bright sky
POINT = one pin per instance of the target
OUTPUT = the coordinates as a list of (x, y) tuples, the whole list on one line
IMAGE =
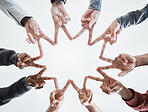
[(73, 59)]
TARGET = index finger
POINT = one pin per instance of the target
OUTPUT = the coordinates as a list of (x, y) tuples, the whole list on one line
[(38, 65), (97, 39), (80, 32), (41, 72), (66, 32), (66, 86), (102, 73), (47, 78), (75, 86), (94, 78), (40, 48)]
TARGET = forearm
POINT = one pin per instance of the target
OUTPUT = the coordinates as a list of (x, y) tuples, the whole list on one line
[(93, 108), (8, 57), (13, 10), (133, 18), (95, 4), (125, 93), (15, 90), (141, 60), (52, 109)]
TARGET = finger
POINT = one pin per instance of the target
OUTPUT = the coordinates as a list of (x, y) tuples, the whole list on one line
[(40, 49), (102, 73), (66, 86), (97, 39), (56, 33), (94, 78), (123, 73), (21, 56), (33, 82), (42, 71), (28, 40), (91, 23), (123, 58), (26, 58), (66, 32), (90, 36), (113, 36), (103, 49), (80, 32), (36, 30), (48, 39), (39, 87), (67, 17), (104, 88), (57, 20), (38, 65), (56, 84), (120, 61), (106, 59), (84, 24), (31, 39), (84, 83), (36, 58), (75, 86), (47, 78), (105, 67)]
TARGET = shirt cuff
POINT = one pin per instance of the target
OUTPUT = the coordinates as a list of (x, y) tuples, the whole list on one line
[(25, 83)]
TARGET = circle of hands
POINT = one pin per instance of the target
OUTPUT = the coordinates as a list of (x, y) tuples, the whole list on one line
[(123, 62)]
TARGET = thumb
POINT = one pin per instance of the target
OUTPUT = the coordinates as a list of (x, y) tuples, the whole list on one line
[(91, 23)]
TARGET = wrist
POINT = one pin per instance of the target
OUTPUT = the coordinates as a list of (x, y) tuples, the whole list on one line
[(137, 61), (25, 20), (126, 94)]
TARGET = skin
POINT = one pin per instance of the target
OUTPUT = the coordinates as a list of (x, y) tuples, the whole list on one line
[(24, 60), (34, 34), (111, 85), (57, 97), (37, 80), (85, 97), (89, 19), (111, 32), (60, 18)]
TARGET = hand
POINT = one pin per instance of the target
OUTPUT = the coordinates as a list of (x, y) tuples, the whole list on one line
[(111, 32), (109, 85), (24, 60), (60, 18), (88, 20), (57, 96), (37, 81), (85, 95), (124, 62), (34, 34)]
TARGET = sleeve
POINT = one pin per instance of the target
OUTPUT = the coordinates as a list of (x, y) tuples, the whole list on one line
[(58, 1), (138, 102), (13, 10), (7, 57), (15, 90), (95, 4), (133, 18)]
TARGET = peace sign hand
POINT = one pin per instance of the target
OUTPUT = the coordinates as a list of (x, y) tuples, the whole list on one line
[(60, 18), (88, 20), (37, 80), (124, 62), (111, 32), (24, 60), (85, 95), (57, 96)]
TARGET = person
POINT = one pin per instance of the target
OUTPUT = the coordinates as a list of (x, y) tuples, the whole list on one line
[(132, 98), (61, 17), (57, 97), (22, 86), (86, 96), (131, 18), (22, 18)]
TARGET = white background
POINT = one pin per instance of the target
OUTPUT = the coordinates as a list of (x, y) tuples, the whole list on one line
[(73, 59)]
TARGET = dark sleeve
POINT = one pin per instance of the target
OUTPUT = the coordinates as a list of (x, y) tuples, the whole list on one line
[(7, 57), (15, 90), (138, 102), (58, 1), (133, 18)]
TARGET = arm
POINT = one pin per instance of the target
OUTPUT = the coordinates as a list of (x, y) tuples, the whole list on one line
[(13, 10), (15, 90), (8, 57), (133, 18), (95, 4), (93, 108), (52, 1), (141, 60)]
